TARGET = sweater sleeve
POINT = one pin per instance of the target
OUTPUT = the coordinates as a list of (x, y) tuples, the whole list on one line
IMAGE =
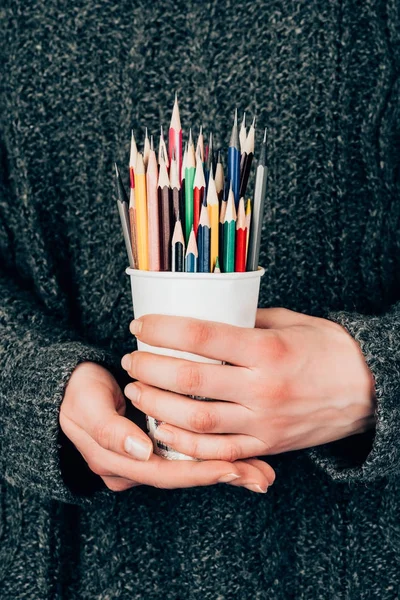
[(37, 358), (376, 453)]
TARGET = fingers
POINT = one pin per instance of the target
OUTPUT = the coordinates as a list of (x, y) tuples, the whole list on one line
[(279, 318), (162, 473), (194, 415), (187, 377), (119, 484), (213, 340), (261, 466), (210, 446)]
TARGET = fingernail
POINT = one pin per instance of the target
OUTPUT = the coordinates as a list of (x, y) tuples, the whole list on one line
[(228, 477), (164, 435), (135, 327), (137, 448), (133, 392), (126, 362), (254, 487)]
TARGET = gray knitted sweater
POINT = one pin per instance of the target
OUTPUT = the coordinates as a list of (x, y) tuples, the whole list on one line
[(324, 78)]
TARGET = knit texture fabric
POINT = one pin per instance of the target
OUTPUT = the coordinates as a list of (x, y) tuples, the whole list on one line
[(324, 78)]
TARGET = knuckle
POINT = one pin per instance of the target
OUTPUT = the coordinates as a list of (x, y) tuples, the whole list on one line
[(96, 466), (189, 378), (229, 453), (200, 333), (104, 434), (203, 421), (272, 346)]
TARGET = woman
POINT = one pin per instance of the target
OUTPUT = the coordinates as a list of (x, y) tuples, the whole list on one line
[(316, 391)]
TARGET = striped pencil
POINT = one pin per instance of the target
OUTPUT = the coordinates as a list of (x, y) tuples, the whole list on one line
[(199, 186), (122, 204), (191, 254), (260, 191), (165, 214), (146, 149), (190, 170), (175, 138), (242, 134), (152, 211), (241, 237), (229, 234), (141, 213), (204, 240), (178, 248), (213, 212), (234, 162), (246, 159)]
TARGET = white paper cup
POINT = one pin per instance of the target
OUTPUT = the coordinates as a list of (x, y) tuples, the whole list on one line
[(224, 297)]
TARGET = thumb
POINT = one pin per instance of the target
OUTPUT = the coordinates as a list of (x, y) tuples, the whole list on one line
[(95, 403), (279, 318)]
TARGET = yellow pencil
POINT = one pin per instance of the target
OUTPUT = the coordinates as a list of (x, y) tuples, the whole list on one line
[(141, 214), (213, 213)]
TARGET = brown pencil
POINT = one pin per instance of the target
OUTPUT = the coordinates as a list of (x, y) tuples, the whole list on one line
[(164, 203)]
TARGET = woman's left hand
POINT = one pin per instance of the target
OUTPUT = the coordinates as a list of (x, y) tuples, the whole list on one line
[(292, 382)]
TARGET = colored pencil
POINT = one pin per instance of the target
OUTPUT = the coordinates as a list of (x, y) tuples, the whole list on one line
[(122, 204), (234, 162), (162, 149), (209, 160), (190, 170), (229, 234), (141, 213), (242, 133), (204, 240), (153, 212), (248, 225), (213, 212), (217, 268), (222, 212), (165, 215), (246, 159), (178, 248), (241, 236), (176, 190), (133, 154), (260, 190), (175, 138), (192, 254), (146, 149), (199, 185), (132, 198), (200, 144), (219, 177)]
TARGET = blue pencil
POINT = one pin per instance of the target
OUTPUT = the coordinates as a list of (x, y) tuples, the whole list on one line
[(234, 162), (192, 254), (204, 240)]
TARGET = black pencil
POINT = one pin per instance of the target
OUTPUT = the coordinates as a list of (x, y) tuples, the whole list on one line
[(178, 248)]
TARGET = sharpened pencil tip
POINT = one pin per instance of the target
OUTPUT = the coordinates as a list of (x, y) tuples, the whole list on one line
[(265, 136), (116, 169), (146, 134), (190, 137), (236, 117), (201, 130), (161, 132), (254, 122), (151, 143), (244, 120)]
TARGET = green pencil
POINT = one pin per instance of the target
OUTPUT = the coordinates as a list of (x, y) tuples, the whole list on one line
[(229, 229), (190, 171)]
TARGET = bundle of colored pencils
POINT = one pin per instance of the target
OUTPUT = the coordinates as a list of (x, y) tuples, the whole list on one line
[(183, 214)]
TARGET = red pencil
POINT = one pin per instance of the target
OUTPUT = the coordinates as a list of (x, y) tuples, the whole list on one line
[(175, 139), (241, 239)]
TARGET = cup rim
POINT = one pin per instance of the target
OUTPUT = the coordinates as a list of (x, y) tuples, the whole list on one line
[(175, 275)]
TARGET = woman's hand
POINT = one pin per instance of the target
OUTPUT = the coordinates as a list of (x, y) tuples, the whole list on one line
[(92, 417), (293, 382)]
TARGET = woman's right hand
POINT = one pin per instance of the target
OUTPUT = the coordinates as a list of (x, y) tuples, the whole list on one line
[(92, 416)]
